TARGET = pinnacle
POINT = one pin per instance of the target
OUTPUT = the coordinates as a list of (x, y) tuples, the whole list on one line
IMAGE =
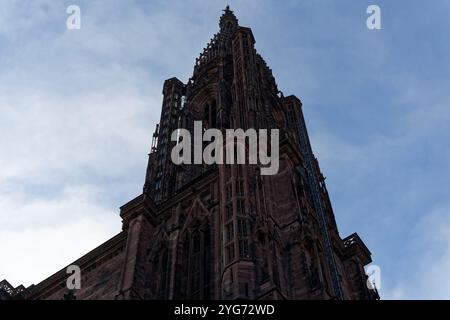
[(228, 16)]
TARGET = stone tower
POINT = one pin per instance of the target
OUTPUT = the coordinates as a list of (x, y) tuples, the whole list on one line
[(225, 231)]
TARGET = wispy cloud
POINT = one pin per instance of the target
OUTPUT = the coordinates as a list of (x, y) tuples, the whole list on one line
[(39, 236)]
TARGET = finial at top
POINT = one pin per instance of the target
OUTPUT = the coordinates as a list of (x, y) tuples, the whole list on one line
[(227, 11), (228, 17)]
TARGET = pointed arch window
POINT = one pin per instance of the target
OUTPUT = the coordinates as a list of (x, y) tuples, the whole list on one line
[(262, 258), (193, 278), (157, 278), (210, 114)]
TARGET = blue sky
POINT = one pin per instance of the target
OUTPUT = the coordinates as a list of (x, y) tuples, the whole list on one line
[(78, 108)]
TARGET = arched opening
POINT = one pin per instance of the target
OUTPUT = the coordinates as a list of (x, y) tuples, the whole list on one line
[(194, 265), (313, 266), (209, 118), (157, 278), (262, 258)]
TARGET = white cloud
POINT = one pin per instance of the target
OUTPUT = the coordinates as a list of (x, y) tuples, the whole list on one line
[(38, 237), (425, 274), (74, 140)]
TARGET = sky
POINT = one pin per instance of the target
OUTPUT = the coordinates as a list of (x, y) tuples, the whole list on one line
[(78, 109)]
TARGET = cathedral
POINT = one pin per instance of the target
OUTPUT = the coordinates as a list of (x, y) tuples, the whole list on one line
[(223, 231)]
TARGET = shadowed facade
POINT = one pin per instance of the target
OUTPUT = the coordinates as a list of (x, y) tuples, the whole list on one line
[(224, 231)]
